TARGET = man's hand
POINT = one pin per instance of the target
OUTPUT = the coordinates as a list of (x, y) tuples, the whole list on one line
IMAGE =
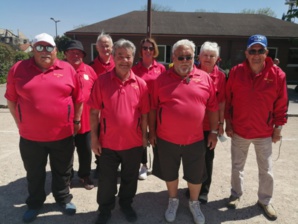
[(152, 138), (229, 129), (145, 141), (95, 146), (276, 136), (212, 140), (76, 128)]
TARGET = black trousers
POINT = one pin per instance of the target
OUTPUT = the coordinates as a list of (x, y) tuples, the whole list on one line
[(209, 157), (107, 182), (35, 155), (83, 145), (144, 156)]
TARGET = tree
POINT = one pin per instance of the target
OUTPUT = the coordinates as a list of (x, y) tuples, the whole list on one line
[(61, 42), (292, 13), (21, 55), (263, 11), (61, 45), (6, 60), (158, 7)]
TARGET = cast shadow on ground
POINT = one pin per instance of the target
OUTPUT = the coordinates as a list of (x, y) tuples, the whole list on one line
[(293, 95), (12, 205), (152, 205)]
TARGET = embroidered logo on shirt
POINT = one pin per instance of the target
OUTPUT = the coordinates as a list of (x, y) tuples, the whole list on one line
[(58, 75), (135, 86), (268, 80), (196, 79), (86, 77)]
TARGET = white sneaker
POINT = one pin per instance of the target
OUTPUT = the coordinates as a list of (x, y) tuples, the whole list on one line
[(170, 213), (195, 209), (143, 173)]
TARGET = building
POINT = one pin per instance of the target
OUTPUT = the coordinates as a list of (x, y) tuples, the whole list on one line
[(229, 30), (14, 40)]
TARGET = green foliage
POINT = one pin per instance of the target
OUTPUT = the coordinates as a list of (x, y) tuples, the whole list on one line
[(226, 65), (60, 55), (61, 42), (20, 55), (6, 60), (292, 12)]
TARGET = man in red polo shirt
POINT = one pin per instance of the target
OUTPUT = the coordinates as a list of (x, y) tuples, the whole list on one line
[(180, 97), (121, 99), (104, 62), (45, 99), (74, 54)]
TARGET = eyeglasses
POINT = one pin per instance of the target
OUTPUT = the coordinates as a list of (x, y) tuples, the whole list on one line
[(182, 58), (40, 48), (148, 48), (255, 52)]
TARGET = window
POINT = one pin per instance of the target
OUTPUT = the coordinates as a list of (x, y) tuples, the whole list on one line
[(293, 57), (164, 54), (94, 52), (272, 52)]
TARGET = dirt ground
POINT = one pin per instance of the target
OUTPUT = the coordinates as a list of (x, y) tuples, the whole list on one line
[(151, 199)]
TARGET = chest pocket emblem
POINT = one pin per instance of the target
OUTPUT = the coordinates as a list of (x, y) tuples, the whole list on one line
[(86, 77)]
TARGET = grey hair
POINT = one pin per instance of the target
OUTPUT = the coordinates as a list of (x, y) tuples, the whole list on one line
[(184, 42), (210, 46), (102, 35), (122, 43)]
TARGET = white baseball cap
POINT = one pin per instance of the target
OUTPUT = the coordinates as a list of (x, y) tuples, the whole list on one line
[(44, 37)]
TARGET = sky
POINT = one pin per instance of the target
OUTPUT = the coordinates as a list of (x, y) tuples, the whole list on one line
[(33, 17)]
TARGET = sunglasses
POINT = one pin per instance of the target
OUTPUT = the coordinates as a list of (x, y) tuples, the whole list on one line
[(40, 48), (182, 58), (146, 48), (255, 52)]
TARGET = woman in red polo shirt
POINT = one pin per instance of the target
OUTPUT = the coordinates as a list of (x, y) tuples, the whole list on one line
[(148, 69)]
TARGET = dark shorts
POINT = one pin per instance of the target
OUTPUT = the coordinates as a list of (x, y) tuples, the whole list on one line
[(193, 160)]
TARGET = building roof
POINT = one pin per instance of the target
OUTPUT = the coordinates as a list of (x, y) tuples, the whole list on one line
[(193, 24)]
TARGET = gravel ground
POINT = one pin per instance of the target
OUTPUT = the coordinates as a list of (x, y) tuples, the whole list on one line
[(151, 199)]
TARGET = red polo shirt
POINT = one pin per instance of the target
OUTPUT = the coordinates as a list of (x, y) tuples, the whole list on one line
[(219, 80), (87, 77), (45, 100), (181, 105), (121, 105), (149, 74), (102, 68)]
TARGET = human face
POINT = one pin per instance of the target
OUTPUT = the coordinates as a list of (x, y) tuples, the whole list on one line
[(183, 67), (147, 51), (258, 59), (123, 62), (207, 60), (74, 57), (44, 59), (104, 48)]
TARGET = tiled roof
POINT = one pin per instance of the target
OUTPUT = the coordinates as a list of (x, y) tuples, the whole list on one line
[(193, 23)]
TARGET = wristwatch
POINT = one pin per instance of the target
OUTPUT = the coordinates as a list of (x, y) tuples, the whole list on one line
[(76, 122), (214, 132)]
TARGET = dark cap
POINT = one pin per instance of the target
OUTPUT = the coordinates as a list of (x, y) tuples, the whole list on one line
[(75, 44)]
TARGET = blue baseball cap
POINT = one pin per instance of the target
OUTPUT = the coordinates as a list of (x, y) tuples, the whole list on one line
[(257, 39)]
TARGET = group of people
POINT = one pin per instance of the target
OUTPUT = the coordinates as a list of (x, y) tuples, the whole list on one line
[(115, 109)]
